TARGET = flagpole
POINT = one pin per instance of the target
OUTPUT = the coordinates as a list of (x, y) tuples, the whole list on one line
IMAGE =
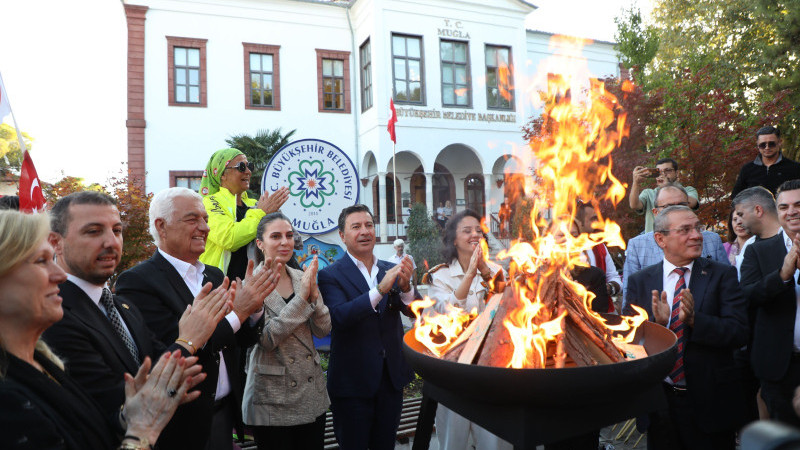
[(395, 189), (22, 146)]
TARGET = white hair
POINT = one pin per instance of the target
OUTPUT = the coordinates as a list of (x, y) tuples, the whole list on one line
[(399, 242), (162, 206)]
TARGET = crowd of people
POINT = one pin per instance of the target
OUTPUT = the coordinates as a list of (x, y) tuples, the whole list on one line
[(213, 335)]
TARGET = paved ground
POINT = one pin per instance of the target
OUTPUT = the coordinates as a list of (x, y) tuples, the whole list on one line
[(608, 441)]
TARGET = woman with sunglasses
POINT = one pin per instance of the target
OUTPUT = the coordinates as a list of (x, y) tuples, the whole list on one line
[(232, 215)]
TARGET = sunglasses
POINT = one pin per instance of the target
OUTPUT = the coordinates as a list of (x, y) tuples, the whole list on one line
[(767, 144), (242, 166)]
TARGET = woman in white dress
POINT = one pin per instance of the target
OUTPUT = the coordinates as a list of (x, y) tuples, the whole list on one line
[(462, 282)]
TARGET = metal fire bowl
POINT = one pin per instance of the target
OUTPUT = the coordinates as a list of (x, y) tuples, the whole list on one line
[(539, 406)]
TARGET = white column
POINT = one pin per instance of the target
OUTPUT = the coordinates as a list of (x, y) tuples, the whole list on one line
[(487, 196), (383, 200), (429, 193)]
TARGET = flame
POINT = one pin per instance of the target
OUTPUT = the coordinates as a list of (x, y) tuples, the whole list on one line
[(579, 128), (437, 331), (504, 85)]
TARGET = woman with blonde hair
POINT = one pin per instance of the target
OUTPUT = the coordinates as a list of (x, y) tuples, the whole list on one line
[(285, 398), (41, 406)]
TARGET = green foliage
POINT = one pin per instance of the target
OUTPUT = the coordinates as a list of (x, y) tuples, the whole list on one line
[(637, 43), (259, 149), (424, 239), (10, 154)]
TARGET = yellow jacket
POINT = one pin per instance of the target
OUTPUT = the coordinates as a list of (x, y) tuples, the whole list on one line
[(226, 235)]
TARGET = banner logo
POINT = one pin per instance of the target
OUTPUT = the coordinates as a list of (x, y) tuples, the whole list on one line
[(322, 181)]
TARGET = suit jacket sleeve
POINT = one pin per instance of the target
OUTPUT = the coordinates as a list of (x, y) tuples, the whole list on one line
[(727, 326), (141, 292), (345, 312), (630, 267), (86, 365), (719, 254), (631, 295), (759, 287)]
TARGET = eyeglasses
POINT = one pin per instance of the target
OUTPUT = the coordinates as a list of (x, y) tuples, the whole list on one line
[(666, 171), (683, 231), (770, 144), (242, 166), (672, 204)]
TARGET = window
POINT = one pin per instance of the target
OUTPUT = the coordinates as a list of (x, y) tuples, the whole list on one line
[(366, 76), (499, 82), (186, 178), (261, 77), (407, 69), (333, 80), (455, 73), (187, 71)]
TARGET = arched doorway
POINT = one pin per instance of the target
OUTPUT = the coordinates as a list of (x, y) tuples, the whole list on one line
[(474, 193), (391, 206), (444, 187), (418, 187)]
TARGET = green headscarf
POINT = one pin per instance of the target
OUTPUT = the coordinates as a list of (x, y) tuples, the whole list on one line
[(213, 173)]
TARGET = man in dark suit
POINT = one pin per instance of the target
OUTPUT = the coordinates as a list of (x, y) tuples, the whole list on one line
[(701, 302), (770, 282), (367, 370), (101, 336), (162, 287)]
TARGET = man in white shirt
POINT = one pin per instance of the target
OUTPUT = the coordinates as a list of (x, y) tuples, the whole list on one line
[(700, 301), (399, 248), (162, 287), (586, 216), (367, 370), (101, 335)]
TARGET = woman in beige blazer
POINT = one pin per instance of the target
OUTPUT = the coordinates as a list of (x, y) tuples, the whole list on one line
[(285, 398)]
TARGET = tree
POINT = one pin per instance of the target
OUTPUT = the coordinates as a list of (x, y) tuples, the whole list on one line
[(259, 149), (637, 43), (424, 239), (10, 155)]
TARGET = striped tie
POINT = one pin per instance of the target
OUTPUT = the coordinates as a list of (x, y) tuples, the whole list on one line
[(107, 301), (676, 325)]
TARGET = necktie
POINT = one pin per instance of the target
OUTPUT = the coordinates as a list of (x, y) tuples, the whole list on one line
[(676, 325), (113, 315)]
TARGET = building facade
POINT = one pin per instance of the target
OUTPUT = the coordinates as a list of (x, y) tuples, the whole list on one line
[(458, 72)]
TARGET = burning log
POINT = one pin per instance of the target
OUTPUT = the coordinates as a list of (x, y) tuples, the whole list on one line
[(497, 346)]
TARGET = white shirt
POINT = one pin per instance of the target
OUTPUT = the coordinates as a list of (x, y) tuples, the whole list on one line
[(371, 277), (396, 259), (192, 275), (788, 242), (446, 279), (611, 269), (740, 256), (95, 292)]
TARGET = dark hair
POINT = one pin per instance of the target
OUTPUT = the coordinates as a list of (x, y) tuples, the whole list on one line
[(9, 202), (350, 210), (580, 212), (59, 215), (448, 249), (731, 234), (668, 160), (768, 130), (262, 225), (790, 185), (757, 195)]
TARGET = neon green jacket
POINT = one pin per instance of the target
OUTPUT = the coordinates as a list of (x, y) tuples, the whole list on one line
[(226, 235)]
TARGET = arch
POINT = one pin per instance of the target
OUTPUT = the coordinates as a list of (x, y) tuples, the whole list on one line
[(417, 185), (369, 166), (461, 158)]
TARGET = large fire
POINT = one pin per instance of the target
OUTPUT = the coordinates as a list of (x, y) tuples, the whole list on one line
[(571, 154)]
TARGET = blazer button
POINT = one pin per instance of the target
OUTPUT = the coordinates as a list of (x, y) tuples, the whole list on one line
[(291, 360), (308, 357), (294, 383), (310, 379)]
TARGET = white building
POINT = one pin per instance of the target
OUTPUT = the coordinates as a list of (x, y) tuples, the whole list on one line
[(200, 72)]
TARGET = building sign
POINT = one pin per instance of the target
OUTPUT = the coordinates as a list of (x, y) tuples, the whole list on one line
[(322, 181), (434, 113), (453, 29)]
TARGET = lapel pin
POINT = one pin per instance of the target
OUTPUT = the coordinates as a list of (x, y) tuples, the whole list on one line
[(703, 272), (125, 305)]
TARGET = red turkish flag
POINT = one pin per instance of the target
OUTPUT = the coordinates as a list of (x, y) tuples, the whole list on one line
[(392, 121), (31, 198)]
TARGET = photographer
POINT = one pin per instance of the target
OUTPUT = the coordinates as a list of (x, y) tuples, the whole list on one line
[(642, 200)]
